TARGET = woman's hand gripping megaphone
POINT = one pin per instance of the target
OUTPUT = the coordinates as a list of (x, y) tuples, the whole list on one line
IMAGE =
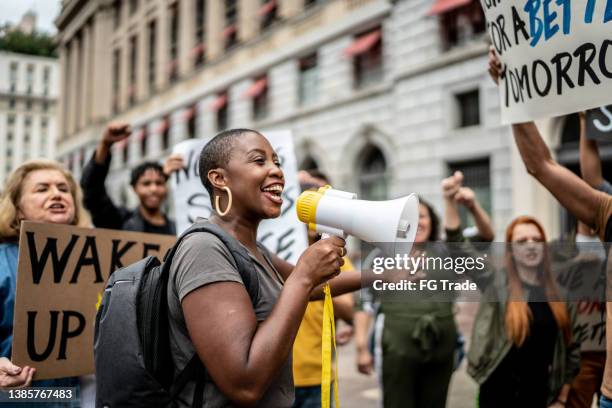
[(321, 261)]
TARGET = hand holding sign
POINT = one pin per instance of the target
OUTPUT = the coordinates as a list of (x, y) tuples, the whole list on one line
[(556, 55)]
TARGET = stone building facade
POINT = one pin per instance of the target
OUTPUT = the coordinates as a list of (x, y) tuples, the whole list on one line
[(385, 96)]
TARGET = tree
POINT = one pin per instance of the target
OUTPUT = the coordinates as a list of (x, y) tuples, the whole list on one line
[(40, 44)]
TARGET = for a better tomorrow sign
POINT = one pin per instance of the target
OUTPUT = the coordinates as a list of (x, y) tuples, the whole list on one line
[(557, 55)]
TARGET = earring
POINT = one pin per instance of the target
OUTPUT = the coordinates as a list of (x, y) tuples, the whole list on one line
[(229, 202)]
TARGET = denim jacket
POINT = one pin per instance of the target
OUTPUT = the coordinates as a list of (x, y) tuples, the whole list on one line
[(8, 281)]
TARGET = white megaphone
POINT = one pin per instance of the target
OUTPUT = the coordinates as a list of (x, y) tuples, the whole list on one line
[(390, 225)]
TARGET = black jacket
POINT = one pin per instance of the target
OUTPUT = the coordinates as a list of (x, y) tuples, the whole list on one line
[(104, 213)]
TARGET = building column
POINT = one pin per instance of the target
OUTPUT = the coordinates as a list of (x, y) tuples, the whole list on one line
[(102, 67), (64, 96), (73, 85), (142, 73), (215, 23), (248, 19), (84, 76), (154, 144), (186, 35), (163, 46), (178, 128), (289, 8)]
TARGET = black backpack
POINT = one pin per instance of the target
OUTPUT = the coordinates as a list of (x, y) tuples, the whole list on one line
[(134, 367)]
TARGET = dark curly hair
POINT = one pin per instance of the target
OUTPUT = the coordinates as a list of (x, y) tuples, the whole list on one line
[(434, 234)]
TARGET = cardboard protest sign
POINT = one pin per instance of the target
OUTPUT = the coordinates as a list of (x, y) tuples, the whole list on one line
[(599, 123), (557, 55), (62, 271), (286, 236)]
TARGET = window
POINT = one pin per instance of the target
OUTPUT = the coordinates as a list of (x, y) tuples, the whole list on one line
[(366, 51), (27, 121), (10, 120), (190, 118), (133, 6), (29, 104), (308, 87), (12, 103), (44, 122), (164, 129), (468, 108), (133, 68), (199, 49), (476, 175), (45, 106), (13, 75), (143, 141), (116, 79), (117, 14), (26, 137), (230, 33), (152, 55), (258, 91), (220, 107), (372, 170), (9, 136), (46, 76), (460, 25), (174, 42), (30, 79), (268, 11)]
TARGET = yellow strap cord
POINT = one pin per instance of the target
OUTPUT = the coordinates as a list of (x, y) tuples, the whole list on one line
[(328, 350)]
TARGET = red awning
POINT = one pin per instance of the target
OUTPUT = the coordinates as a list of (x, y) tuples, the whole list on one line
[(267, 8), (443, 6), (363, 44), (189, 113), (256, 88), (219, 102), (163, 126), (229, 30), (198, 49)]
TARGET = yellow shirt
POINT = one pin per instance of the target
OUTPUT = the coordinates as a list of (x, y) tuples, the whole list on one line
[(307, 346)]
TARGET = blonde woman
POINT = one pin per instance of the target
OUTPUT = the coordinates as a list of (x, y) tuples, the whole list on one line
[(38, 190)]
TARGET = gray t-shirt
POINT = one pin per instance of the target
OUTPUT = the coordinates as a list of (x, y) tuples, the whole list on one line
[(202, 259)]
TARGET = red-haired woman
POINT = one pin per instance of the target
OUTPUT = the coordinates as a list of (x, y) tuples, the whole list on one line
[(522, 353)]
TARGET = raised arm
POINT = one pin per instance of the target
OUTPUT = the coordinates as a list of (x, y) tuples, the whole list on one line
[(105, 214), (571, 191)]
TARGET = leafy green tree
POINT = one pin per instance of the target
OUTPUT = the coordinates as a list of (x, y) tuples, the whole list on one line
[(40, 44)]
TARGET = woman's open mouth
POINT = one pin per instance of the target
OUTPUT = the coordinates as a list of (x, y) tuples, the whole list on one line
[(274, 193), (57, 208)]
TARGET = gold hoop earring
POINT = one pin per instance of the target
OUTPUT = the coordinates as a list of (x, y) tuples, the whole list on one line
[(229, 202)]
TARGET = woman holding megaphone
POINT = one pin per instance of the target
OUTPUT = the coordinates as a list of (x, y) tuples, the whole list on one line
[(245, 344)]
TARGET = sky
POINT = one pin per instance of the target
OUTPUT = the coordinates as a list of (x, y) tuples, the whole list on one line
[(46, 10)]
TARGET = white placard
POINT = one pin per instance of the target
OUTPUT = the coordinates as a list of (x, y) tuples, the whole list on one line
[(557, 55), (285, 236)]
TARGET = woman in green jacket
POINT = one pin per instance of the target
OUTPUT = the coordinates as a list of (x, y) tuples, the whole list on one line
[(522, 353)]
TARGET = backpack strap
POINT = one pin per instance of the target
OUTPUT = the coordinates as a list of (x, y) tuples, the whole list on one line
[(244, 264), (194, 368)]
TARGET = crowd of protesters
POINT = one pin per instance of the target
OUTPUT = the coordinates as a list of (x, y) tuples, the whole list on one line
[(266, 351)]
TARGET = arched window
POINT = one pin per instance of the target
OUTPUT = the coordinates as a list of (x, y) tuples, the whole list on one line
[(372, 170)]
